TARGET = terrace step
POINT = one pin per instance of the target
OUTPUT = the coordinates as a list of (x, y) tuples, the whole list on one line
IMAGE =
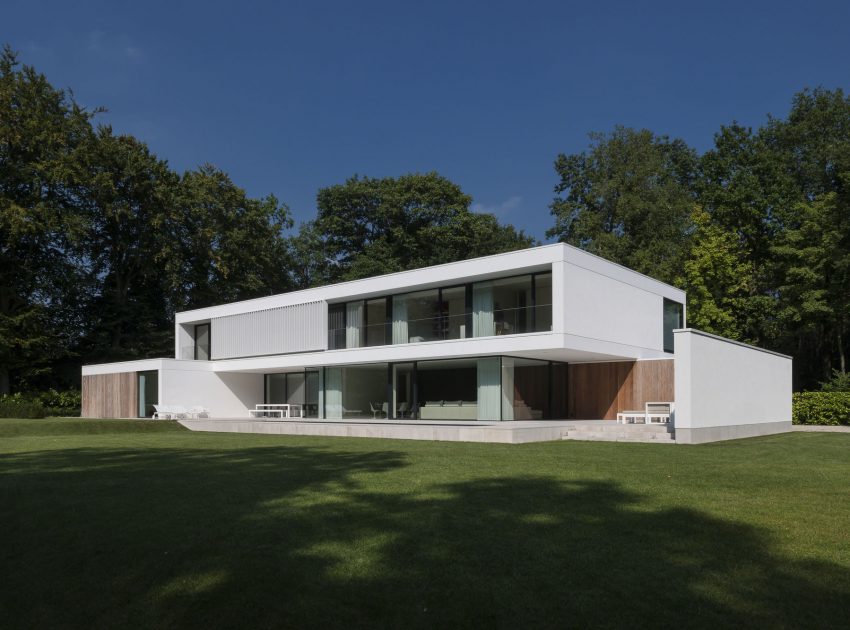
[(647, 433)]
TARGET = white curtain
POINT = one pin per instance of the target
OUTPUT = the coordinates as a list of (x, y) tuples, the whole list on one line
[(489, 390), (482, 310), (333, 393), (400, 333), (321, 393), (353, 324), (507, 388)]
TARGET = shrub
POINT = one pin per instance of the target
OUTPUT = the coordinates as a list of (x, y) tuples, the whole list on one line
[(840, 382), (10, 407), (832, 408)]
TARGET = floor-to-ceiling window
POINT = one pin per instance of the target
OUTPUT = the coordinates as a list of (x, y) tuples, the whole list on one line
[(480, 388), (502, 306), (148, 387), (357, 391), (542, 302), (336, 326), (405, 402), (673, 318), (526, 389), (447, 390), (294, 388), (376, 322)]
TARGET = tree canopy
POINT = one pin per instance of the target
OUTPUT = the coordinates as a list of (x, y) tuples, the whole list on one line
[(369, 226), (101, 241), (756, 229)]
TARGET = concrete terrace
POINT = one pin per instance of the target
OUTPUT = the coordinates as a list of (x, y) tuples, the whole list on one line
[(506, 432)]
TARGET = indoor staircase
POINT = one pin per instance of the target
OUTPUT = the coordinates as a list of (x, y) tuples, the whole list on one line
[(610, 431)]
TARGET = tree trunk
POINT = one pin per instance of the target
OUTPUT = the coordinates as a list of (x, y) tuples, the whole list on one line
[(841, 358)]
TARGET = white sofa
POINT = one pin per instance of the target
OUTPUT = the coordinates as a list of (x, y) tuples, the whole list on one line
[(449, 410)]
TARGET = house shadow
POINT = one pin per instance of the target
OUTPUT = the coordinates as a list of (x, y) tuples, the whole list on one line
[(300, 536)]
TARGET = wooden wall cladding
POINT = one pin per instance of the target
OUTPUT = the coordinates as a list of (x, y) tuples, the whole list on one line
[(601, 390), (110, 395)]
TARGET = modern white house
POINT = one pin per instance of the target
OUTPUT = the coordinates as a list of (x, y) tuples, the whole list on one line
[(547, 333)]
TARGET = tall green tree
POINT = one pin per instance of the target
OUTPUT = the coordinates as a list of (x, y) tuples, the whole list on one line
[(811, 251), (40, 127), (229, 246), (628, 198), (370, 226), (719, 281), (126, 196)]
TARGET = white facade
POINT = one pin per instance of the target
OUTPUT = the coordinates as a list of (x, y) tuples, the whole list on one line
[(600, 311), (726, 389), (570, 307)]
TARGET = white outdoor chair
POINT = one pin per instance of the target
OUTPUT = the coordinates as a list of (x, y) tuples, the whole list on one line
[(161, 412), (375, 411), (658, 412), (198, 412), (631, 417)]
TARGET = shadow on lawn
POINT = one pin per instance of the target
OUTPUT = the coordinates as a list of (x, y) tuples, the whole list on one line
[(299, 536)]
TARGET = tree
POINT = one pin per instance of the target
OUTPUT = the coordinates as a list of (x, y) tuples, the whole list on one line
[(369, 226), (40, 127), (812, 263), (815, 294), (719, 282), (628, 199), (229, 247), (126, 197)]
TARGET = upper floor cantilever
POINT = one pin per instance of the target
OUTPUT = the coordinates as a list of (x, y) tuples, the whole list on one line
[(553, 288)]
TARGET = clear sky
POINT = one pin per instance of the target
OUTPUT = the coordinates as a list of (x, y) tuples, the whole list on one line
[(289, 97)]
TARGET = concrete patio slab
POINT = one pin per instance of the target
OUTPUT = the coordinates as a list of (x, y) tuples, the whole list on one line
[(516, 432)]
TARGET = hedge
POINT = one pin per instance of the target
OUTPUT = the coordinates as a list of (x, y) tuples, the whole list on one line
[(832, 408), (11, 408)]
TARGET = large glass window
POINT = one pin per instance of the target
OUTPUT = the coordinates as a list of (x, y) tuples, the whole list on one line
[(336, 326), (404, 391), (294, 388), (416, 317), (673, 318), (358, 391), (525, 389), (504, 306), (543, 302), (483, 388), (376, 322), (311, 394), (512, 305), (453, 312), (447, 390), (148, 384)]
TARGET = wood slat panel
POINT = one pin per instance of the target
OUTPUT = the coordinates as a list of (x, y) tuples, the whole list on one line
[(110, 395), (601, 390)]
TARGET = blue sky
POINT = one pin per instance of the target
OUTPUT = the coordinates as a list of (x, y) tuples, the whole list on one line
[(289, 97)]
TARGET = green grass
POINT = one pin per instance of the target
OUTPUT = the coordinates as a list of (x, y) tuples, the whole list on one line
[(116, 524)]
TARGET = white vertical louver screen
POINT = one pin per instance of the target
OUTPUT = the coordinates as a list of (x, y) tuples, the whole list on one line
[(296, 328)]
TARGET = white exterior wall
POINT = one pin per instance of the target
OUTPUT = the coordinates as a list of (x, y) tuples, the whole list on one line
[(223, 395), (610, 303), (725, 389), (194, 383), (280, 330)]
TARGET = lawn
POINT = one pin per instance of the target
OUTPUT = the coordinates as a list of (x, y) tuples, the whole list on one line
[(116, 524)]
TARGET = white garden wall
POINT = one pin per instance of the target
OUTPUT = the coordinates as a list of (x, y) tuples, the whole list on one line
[(726, 389)]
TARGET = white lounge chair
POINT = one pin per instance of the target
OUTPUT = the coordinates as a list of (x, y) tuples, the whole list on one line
[(658, 412), (160, 413)]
